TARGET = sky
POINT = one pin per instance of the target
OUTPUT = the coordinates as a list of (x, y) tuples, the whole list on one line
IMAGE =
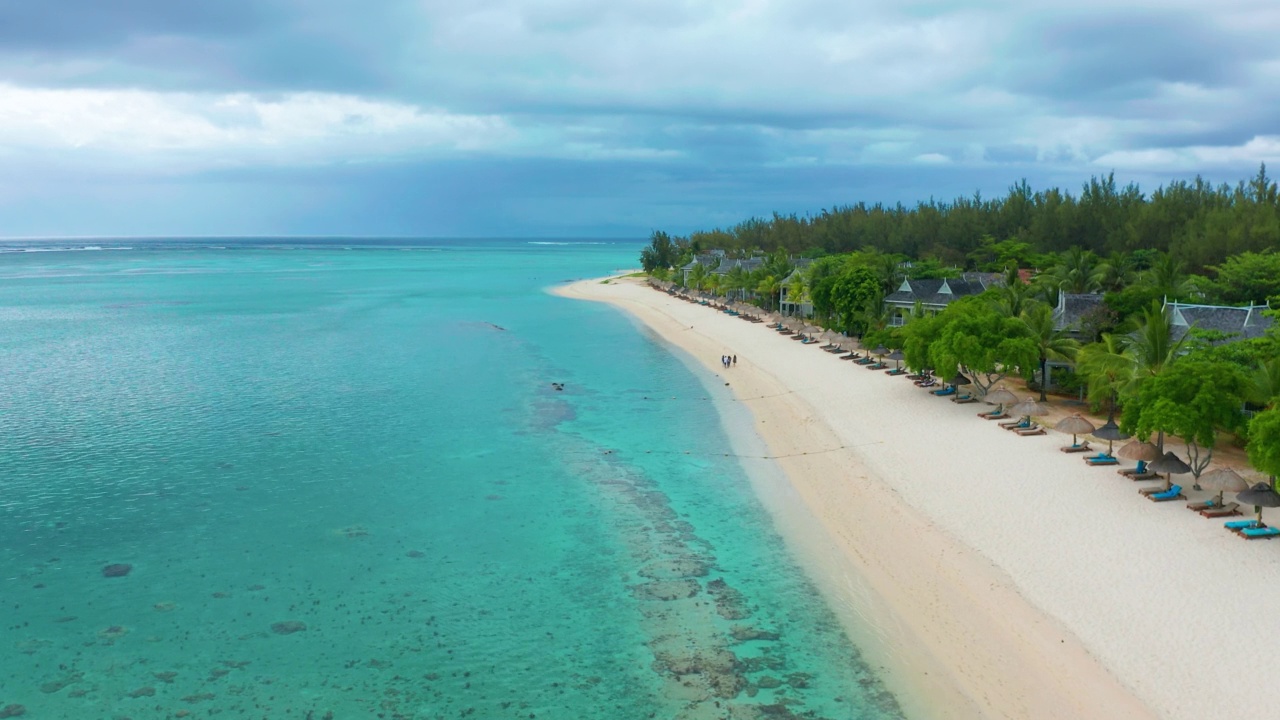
[(577, 118)]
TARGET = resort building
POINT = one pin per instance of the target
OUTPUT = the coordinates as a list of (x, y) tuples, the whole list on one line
[(935, 294), (1235, 323), (787, 304), (1071, 310)]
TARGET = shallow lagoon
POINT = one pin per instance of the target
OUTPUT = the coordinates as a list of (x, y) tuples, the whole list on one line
[(345, 485)]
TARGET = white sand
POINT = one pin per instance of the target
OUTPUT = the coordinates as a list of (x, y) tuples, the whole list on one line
[(1037, 586)]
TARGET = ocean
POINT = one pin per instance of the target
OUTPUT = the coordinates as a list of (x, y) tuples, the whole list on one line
[(341, 478)]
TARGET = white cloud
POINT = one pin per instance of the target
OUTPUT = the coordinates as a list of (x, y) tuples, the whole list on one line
[(288, 128), (1261, 148)]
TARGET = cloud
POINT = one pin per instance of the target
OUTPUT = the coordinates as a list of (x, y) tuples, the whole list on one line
[(143, 90), (302, 127)]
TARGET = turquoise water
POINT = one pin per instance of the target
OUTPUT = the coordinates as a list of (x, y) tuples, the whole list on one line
[(347, 488)]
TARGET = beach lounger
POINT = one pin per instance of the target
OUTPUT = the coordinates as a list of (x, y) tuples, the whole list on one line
[(1017, 425), (895, 372), (877, 366), (945, 391), (1256, 533), (1033, 429), (1141, 469), (866, 360), (926, 382), (964, 399), (1101, 460), (1234, 525), (1078, 447), (852, 356), (1226, 510), (997, 416), (1173, 493)]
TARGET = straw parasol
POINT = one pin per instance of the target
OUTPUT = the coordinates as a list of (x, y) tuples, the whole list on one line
[(1001, 397), (897, 357), (1260, 496), (1223, 480), (1029, 408), (1138, 450), (1110, 432), (880, 351), (1170, 465), (1075, 425), (1143, 452)]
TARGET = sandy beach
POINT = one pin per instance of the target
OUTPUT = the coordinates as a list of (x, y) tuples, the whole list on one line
[(990, 574)]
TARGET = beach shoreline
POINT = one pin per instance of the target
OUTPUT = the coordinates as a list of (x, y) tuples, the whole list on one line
[(940, 583)]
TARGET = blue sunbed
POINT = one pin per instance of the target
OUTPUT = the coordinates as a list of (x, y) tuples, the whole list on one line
[(945, 391), (1240, 524), (1170, 494), (1265, 532)]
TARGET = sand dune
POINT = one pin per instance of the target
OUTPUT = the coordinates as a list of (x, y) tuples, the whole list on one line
[(1037, 586)]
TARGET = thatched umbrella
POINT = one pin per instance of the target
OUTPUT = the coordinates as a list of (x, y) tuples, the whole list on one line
[(897, 357), (1170, 465), (880, 352), (1075, 425), (1223, 480), (1029, 407), (1260, 496), (1143, 452), (1110, 432), (1001, 397)]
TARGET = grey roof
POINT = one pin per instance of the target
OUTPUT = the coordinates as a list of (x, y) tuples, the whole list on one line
[(748, 265), (936, 291), (1246, 322), (704, 259), (1072, 307)]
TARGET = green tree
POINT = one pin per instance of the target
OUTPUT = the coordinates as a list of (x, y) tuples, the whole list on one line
[(854, 288), (1191, 399), (1050, 342), (981, 342), (661, 252), (1248, 277), (1264, 442)]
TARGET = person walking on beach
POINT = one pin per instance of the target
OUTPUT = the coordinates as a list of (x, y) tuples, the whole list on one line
[(735, 359)]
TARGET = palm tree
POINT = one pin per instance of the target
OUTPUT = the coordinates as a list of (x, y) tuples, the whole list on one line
[(1012, 299), (1078, 272), (1151, 348), (1168, 275), (1108, 370), (796, 289), (1118, 272), (769, 287), (1263, 384), (1152, 345), (1051, 342), (696, 277)]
